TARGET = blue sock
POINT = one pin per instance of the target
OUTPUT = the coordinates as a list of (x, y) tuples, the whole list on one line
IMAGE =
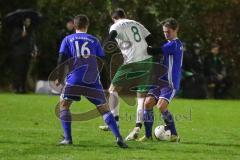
[(148, 119), (65, 116), (110, 121), (169, 121)]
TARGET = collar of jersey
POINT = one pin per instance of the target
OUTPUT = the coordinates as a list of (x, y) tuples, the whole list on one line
[(80, 32), (173, 39), (121, 19)]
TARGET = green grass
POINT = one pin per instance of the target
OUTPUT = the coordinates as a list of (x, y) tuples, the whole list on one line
[(29, 129)]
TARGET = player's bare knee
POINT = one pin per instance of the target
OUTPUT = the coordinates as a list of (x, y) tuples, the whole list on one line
[(103, 109), (64, 104), (162, 105), (149, 102)]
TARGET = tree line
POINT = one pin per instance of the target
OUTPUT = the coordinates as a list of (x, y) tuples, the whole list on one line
[(203, 21)]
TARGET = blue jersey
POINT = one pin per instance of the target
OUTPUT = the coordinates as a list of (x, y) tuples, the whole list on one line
[(173, 57), (83, 49)]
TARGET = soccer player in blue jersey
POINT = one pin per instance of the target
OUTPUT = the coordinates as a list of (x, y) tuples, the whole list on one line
[(173, 55), (83, 79)]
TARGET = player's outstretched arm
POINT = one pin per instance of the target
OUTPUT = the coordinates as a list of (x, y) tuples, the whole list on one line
[(112, 35), (149, 40), (154, 51)]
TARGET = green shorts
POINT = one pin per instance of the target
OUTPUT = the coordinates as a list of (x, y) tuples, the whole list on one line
[(129, 73)]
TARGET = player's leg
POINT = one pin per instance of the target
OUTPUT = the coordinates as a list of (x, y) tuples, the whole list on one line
[(108, 117), (113, 105), (117, 83), (114, 102), (139, 117), (164, 99), (65, 116), (148, 116), (140, 108), (66, 99)]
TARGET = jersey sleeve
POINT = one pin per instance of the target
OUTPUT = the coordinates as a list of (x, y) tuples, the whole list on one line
[(144, 31), (64, 48), (114, 27), (99, 50)]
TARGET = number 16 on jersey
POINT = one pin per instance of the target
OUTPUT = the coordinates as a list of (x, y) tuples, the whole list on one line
[(82, 51)]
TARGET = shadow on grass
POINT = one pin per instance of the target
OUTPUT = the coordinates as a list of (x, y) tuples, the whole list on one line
[(85, 145), (133, 146)]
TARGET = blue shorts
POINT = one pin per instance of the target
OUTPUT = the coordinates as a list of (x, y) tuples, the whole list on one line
[(93, 92), (166, 93)]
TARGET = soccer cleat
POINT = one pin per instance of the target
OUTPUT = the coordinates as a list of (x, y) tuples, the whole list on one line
[(65, 142), (104, 128), (174, 138), (145, 139), (133, 135), (121, 143)]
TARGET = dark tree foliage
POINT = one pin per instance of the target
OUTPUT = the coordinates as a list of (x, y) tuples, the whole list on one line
[(204, 21)]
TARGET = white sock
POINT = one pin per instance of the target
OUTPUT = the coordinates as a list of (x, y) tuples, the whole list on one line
[(140, 108), (114, 104)]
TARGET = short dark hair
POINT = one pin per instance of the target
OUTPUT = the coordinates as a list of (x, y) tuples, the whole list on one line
[(81, 21), (171, 23), (118, 13)]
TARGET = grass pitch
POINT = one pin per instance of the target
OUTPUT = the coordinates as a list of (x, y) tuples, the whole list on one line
[(29, 129)]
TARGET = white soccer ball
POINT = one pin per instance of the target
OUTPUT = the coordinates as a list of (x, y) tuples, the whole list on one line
[(161, 134)]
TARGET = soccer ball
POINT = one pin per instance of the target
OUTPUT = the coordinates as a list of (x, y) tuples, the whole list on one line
[(161, 134)]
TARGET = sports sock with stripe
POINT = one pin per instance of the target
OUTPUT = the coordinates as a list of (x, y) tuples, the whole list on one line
[(169, 121), (110, 121), (148, 118), (65, 116)]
